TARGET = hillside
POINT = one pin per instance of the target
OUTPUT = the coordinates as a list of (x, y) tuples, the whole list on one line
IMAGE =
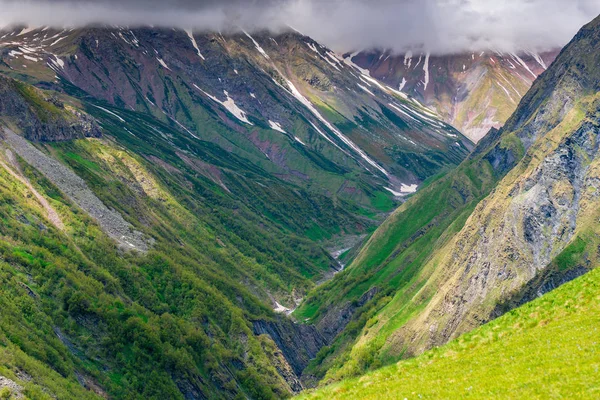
[(546, 348), (169, 196), (284, 102), (473, 92), (511, 222)]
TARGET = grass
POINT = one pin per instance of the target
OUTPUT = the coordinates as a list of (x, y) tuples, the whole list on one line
[(402, 256), (548, 348)]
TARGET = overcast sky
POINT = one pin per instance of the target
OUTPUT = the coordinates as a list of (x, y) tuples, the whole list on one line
[(439, 26)]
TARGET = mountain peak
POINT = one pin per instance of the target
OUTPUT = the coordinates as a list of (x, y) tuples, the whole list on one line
[(472, 91)]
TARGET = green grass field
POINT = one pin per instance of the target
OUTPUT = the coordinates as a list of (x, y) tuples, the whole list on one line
[(546, 349)]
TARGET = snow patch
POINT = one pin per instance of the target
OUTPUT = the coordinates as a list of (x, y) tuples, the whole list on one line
[(426, 70), (111, 113), (539, 60), (191, 36), (333, 129), (506, 91), (230, 105), (30, 58), (260, 49), (408, 59), (299, 141), (276, 126), (404, 190), (402, 84), (516, 57), (163, 63), (281, 309), (365, 89)]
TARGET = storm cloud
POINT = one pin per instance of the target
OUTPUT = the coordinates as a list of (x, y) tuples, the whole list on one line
[(439, 26)]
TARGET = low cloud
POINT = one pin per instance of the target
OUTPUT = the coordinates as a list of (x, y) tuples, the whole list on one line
[(439, 26)]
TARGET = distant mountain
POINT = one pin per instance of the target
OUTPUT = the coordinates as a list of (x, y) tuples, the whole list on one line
[(473, 92), (517, 219)]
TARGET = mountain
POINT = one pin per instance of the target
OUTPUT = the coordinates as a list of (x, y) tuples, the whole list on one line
[(501, 357), (168, 197), (245, 93), (513, 221), (473, 92)]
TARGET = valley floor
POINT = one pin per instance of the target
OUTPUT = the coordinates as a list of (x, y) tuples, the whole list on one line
[(549, 348)]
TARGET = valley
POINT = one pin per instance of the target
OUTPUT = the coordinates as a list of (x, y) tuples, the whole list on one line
[(249, 214)]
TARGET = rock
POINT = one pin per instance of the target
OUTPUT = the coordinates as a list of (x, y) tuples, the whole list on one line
[(40, 118), (75, 188), (298, 343), (8, 386)]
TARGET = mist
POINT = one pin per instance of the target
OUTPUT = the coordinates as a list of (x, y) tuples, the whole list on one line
[(438, 26)]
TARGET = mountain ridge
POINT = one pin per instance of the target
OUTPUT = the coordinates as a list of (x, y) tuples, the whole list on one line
[(472, 91)]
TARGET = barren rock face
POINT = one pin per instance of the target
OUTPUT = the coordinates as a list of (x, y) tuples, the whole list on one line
[(508, 248), (42, 118), (77, 190)]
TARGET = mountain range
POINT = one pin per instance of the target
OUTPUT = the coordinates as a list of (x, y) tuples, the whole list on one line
[(514, 221), (193, 215), (473, 92), (167, 193)]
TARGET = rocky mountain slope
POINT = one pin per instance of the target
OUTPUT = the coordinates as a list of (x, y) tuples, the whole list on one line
[(168, 196), (502, 357), (284, 102), (473, 92), (513, 221)]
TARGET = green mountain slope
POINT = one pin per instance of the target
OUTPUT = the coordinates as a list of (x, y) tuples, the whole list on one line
[(134, 264), (547, 348), (512, 221)]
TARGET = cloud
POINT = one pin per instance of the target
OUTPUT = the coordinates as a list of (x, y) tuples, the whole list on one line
[(439, 26)]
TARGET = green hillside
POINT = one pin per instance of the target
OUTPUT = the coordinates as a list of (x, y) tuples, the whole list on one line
[(546, 349), (155, 295), (482, 239)]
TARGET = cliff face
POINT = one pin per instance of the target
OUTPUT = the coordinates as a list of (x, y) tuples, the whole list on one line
[(514, 236), (298, 343), (535, 230), (42, 117)]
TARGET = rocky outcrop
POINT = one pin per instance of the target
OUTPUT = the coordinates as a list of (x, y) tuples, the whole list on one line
[(299, 343), (339, 316), (10, 389), (40, 117), (503, 256), (544, 282), (75, 188)]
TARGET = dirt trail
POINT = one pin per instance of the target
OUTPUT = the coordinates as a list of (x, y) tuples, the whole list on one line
[(16, 172)]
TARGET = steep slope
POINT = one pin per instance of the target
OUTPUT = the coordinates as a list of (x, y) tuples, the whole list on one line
[(283, 102), (136, 263), (546, 348), (181, 203), (512, 222), (473, 92)]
